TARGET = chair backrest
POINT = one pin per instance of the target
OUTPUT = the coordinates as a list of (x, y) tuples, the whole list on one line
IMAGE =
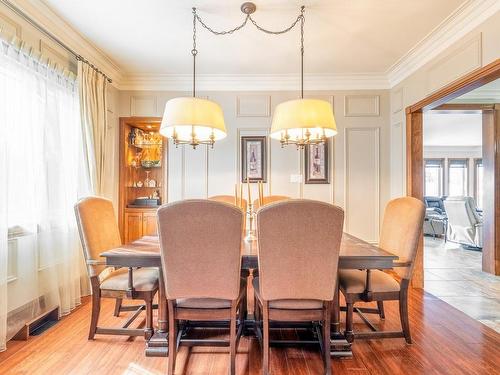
[(98, 229), (298, 248), (269, 199), (200, 244), (435, 203), (242, 203), (461, 211), (401, 228)]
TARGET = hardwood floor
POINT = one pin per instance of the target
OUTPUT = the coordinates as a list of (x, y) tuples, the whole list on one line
[(446, 341)]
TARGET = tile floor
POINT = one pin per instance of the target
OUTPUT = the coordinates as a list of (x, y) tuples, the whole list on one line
[(454, 275)]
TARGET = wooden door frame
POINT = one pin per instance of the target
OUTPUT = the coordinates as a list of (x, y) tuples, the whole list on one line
[(415, 159)]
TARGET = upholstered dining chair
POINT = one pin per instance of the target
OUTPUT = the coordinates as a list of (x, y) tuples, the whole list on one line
[(200, 243), (298, 252), (268, 200), (401, 228), (99, 232), (241, 203)]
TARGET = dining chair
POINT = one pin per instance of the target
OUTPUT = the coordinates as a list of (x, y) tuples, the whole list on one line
[(298, 254), (99, 232), (268, 200), (200, 242), (401, 228), (241, 203)]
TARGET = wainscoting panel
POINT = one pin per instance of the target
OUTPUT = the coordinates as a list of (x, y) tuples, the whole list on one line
[(397, 100), (56, 54), (175, 172), (12, 271), (463, 58), (9, 27), (362, 182), (143, 106), (195, 172), (361, 105), (253, 106), (327, 98)]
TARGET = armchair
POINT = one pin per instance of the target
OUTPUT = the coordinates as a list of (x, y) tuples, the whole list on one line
[(465, 226)]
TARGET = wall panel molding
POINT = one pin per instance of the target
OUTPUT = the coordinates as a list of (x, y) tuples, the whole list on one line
[(57, 55), (143, 105), (397, 100), (460, 60), (10, 28), (253, 105), (362, 182), (361, 105), (462, 21)]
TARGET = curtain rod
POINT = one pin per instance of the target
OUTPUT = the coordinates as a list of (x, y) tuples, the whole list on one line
[(40, 28)]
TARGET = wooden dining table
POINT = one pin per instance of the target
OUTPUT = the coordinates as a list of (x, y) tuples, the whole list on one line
[(145, 252)]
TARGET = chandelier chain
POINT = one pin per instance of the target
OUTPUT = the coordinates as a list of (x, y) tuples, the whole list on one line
[(223, 32), (300, 19), (194, 52)]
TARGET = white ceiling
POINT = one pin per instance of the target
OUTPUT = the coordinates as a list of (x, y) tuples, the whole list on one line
[(342, 36), (448, 129)]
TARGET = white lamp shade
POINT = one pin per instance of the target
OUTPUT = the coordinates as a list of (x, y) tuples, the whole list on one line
[(186, 116), (295, 117)]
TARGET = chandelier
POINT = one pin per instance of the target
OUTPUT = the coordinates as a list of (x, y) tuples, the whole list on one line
[(196, 121)]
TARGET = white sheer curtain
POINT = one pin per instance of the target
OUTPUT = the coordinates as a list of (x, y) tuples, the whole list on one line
[(42, 174)]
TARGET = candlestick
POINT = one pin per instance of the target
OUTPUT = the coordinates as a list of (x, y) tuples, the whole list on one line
[(260, 192), (249, 190), (241, 195), (235, 194)]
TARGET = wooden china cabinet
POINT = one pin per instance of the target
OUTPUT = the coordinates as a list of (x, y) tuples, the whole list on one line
[(142, 176)]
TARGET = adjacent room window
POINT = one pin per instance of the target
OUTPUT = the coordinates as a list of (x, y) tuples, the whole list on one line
[(457, 177), (478, 163), (434, 177)]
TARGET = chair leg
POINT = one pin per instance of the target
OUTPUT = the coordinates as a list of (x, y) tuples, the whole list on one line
[(118, 306), (381, 311), (326, 339), (403, 315), (232, 340), (148, 332), (96, 309), (265, 334), (348, 322), (172, 335)]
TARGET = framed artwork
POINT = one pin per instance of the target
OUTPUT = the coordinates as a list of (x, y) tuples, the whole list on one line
[(316, 164), (253, 158)]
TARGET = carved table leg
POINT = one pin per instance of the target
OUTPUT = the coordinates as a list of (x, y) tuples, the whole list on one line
[(157, 346)]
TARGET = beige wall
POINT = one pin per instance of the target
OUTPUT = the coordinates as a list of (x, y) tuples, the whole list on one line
[(478, 48), (359, 163)]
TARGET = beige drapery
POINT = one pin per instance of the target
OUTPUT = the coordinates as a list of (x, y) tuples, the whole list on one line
[(93, 92)]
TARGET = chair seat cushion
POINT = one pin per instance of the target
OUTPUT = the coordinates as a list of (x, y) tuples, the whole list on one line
[(203, 303), (145, 279), (289, 304), (209, 303), (354, 281)]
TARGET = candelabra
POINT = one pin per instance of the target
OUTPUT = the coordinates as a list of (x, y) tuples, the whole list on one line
[(251, 217)]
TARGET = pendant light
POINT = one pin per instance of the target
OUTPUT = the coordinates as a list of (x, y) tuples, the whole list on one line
[(303, 121), (191, 120)]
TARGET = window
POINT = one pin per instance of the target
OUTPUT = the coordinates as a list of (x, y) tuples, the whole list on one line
[(434, 177), (457, 177), (479, 183)]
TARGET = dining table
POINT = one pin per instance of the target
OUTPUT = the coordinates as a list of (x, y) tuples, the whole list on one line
[(145, 252)]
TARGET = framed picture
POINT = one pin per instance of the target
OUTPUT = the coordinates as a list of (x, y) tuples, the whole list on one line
[(253, 158), (316, 164)]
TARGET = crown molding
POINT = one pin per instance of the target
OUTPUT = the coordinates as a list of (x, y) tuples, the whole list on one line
[(54, 23), (253, 82), (463, 20)]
